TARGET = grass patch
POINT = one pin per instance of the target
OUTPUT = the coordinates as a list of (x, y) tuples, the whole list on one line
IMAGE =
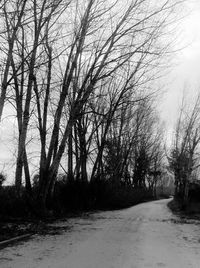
[(192, 211)]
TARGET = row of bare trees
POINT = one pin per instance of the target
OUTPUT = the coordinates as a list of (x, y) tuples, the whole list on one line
[(80, 76)]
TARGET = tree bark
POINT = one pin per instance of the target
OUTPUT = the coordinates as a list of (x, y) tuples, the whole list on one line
[(70, 156)]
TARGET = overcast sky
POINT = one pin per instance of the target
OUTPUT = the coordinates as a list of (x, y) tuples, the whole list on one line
[(186, 73)]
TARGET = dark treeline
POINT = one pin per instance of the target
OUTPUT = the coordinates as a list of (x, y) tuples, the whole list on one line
[(79, 78)]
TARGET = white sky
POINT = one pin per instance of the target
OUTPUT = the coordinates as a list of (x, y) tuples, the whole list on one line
[(186, 73)]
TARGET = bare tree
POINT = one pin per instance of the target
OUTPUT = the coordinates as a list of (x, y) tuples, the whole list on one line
[(183, 159), (39, 17), (12, 17)]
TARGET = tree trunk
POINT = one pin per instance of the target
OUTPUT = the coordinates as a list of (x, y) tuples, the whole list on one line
[(77, 154), (83, 151), (186, 192), (19, 168), (70, 156), (27, 175), (43, 192)]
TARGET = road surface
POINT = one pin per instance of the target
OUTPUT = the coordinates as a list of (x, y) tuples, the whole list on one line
[(147, 235)]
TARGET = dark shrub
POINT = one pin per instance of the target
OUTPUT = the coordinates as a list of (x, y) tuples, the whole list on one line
[(2, 178), (71, 195), (98, 194), (115, 196), (12, 205), (194, 191)]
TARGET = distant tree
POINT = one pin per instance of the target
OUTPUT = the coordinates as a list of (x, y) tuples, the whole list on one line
[(183, 160), (148, 150)]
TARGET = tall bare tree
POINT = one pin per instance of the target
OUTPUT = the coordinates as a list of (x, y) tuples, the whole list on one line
[(11, 17), (183, 160)]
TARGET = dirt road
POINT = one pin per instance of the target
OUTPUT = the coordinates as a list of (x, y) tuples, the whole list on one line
[(147, 235)]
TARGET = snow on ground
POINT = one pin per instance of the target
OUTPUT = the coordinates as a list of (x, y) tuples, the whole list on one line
[(147, 235)]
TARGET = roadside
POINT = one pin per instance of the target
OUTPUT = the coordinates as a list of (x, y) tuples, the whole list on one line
[(146, 235), (18, 229), (192, 212), (12, 227)]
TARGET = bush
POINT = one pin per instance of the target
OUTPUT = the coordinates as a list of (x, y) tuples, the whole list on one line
[(79, 195), (194, 192), (2, 178), (12, 205), (72, 196), (114, 196)]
